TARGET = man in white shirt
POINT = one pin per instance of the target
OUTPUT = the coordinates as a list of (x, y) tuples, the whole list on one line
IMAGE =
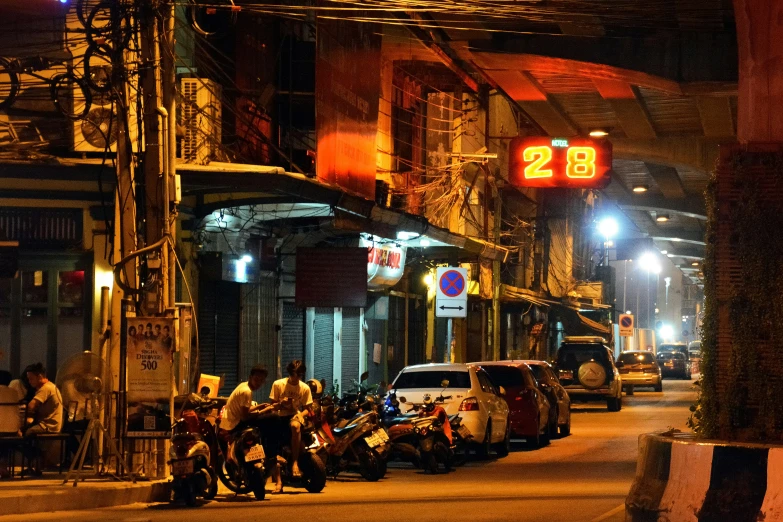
[(240, 410), (294, 399), (239, 407)]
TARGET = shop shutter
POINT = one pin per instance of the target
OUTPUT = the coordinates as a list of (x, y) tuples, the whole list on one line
[(350, 345), (259, 333), (293, 334), (324, 345), (219, 331)]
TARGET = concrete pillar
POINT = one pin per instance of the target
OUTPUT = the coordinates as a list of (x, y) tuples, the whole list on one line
[(760, 51)]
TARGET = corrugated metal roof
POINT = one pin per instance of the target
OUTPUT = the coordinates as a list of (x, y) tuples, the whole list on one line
[(672, 115)]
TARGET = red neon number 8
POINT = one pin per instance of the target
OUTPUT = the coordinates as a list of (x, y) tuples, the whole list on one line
[(581, 162)]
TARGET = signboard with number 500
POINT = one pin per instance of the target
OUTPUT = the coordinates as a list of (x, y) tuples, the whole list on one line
[(558, 162)]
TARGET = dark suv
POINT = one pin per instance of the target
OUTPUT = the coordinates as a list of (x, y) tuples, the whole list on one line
[(586, 368)]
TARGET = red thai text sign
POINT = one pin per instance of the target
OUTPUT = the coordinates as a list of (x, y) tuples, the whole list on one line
[(559, 162)]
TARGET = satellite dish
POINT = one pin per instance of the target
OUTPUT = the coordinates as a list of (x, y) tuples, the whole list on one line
[(80, 381)]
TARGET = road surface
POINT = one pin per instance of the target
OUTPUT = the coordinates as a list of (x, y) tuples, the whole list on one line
[(582, 477)]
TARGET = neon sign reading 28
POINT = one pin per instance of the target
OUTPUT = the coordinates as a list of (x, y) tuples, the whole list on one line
[(580, 162), (545, 162)]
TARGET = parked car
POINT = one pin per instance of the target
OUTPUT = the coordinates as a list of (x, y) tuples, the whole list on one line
[(674, 364), (681, 348), (639, 369), (550, 384), (472, 395), (530, 413), (694, 355), (586, 369)]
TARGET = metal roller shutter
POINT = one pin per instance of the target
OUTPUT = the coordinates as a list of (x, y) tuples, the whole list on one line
[(350, 344), (219, 331), (259, 332), (293, 334), (324, 345)]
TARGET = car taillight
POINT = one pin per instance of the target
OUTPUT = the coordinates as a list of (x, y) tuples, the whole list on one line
[(469, 404)]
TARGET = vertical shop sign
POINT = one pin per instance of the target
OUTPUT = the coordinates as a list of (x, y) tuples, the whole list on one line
[(347, 86), (150, 349)]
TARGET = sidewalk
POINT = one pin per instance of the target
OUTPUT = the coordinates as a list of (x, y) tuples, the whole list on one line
[(47, 493)]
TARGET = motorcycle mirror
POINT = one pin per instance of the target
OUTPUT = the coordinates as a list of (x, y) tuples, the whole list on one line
[(444, 383), (402, 400), (363, 377)]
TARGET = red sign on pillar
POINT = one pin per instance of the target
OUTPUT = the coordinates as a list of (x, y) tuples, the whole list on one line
[(559, 162)]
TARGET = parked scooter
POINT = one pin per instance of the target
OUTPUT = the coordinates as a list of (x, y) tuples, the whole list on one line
[(400, 427), (434, 430), (360, 444), (193, 449), (242, 462), (312, 455)]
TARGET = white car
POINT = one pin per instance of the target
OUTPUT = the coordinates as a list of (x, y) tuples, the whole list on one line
[(472, 395)]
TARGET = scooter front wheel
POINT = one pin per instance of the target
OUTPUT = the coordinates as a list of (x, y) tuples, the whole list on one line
[(315, 473)]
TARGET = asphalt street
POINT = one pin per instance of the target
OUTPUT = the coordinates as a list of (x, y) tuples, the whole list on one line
[(582, 477)]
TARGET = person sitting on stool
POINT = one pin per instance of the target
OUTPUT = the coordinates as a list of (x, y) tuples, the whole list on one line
[(45, 411)]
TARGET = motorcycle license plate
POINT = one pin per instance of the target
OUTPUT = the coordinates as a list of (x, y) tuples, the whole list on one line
[(182, 467), (377, 438), (255, 453), (463, 431)]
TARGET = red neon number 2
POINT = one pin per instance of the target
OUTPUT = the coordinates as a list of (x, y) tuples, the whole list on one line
[(581, 162), (539, 156)]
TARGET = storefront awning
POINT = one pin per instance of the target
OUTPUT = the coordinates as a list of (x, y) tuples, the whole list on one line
[(241, 184)]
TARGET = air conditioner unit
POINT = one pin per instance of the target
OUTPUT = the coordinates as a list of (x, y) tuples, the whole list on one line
[(97, 132), (200, 113)]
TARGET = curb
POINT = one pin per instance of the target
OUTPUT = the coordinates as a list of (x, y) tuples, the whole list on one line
[(683, 479), (82, 497)]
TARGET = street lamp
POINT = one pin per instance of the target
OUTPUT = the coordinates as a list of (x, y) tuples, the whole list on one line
[(608, 228)]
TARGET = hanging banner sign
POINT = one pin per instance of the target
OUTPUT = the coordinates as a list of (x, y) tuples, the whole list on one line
[(385, 264), (559, 162), (150, 350)]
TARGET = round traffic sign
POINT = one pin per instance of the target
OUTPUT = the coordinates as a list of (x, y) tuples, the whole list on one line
[(452, 283), (626, 322)]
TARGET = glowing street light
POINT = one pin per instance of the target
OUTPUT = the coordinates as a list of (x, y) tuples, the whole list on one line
[(667, 332), (608, 228)]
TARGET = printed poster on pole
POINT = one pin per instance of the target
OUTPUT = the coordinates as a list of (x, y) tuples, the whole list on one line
[(149, 360)]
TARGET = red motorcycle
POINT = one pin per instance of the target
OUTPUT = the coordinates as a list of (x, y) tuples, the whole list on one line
[(434, 433), (194, 451)]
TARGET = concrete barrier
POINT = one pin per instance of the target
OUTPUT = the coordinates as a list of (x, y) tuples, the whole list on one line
[(680, 478)]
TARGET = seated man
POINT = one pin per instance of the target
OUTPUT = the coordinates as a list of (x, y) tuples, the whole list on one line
[(240, 411), (45, 411), (294, 399)]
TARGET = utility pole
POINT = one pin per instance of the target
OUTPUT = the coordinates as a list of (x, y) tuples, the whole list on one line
[(496, 276)]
